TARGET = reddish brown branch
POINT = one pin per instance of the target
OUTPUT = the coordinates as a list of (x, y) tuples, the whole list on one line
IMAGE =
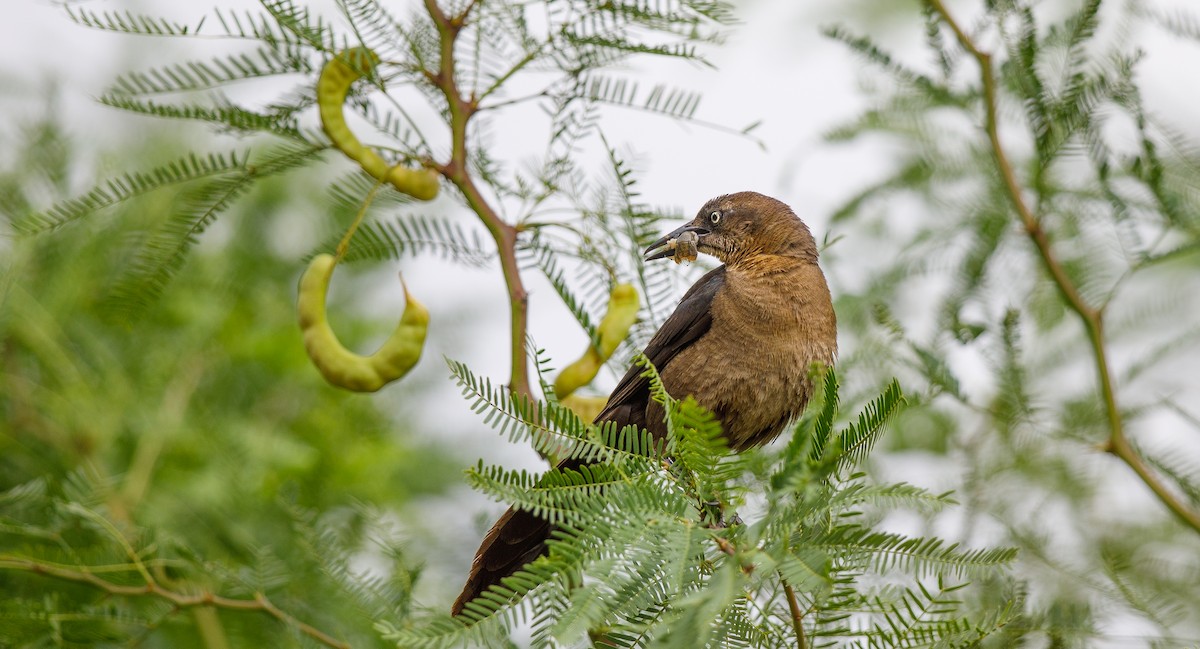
[(457, 172), (1092, 317), (797, 614)]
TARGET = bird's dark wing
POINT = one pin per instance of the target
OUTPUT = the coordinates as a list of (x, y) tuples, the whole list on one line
[(519, 537), (516, 539), (691, 320)]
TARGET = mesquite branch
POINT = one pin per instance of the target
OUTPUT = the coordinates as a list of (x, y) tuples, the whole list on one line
[(152, 588), (1092, 317), (462, 109), (797, 614)]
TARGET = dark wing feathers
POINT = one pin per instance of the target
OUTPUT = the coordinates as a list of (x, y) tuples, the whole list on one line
[(686, 325), (519, 537), (516, 539)]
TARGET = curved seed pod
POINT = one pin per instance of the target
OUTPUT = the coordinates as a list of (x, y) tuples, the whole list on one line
[(333, 84), (341, 367), (622, 313)]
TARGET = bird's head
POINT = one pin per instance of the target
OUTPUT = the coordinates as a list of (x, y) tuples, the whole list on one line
[(738, 228)]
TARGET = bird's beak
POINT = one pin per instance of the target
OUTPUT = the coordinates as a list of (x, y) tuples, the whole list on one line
[(659, 249)]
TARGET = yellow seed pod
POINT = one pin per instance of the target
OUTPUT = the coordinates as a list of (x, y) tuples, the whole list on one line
[(332, 86), (622, 313), (586, 408), (341, 367)]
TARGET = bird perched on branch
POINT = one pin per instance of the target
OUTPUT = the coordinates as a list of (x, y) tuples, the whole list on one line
[(741, 342)]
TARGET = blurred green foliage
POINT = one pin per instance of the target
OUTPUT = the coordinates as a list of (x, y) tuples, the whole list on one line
[(198, 429), (951, 256)]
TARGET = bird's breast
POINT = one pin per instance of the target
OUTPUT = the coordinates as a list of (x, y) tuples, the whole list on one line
[(752, 367)]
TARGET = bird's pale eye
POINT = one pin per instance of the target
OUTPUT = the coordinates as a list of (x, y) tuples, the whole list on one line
[(714, 218)]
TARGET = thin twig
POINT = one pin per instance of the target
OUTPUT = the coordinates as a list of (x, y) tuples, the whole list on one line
[(462, 15), (529, 57), (344, 244), (797, 614), (1092, 317), (260, 603)]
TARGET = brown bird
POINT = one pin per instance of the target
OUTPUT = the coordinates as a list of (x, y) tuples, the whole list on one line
[(742, 342)]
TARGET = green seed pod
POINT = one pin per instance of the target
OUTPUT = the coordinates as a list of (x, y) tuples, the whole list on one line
[(586, 408), (332, 86), (341, 367), (622, 313)]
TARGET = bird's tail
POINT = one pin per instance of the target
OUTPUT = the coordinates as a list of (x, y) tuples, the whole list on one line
[(516, 539)]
